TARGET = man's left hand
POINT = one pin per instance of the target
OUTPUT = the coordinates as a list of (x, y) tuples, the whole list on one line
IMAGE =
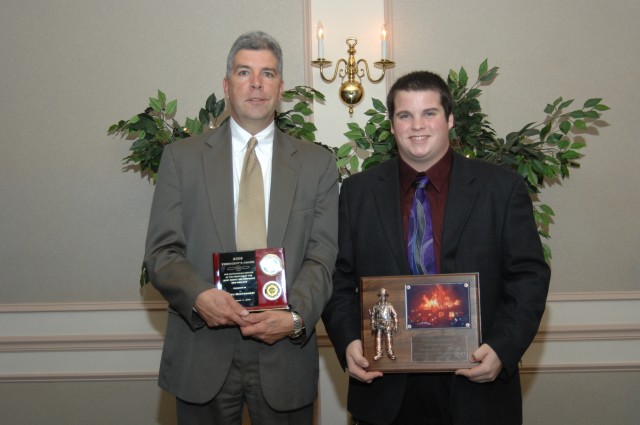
[(488, 369), (268, 326)]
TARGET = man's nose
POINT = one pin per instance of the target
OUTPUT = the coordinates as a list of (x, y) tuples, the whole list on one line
[(256, 82)]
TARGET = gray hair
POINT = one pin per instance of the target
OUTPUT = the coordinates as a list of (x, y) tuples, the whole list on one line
[(255, 40)]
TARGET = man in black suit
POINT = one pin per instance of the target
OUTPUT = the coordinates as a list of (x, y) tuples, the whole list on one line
[(482, 222)]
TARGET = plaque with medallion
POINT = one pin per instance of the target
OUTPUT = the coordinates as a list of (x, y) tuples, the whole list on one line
[(256, 279)]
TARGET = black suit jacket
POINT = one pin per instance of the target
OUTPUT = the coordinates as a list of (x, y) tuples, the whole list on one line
[(488, 228)]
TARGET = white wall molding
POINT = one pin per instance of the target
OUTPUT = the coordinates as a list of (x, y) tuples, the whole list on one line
[(581, 332)]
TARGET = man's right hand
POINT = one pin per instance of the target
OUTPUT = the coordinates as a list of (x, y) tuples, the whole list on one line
[(219, 308), (357, 363)]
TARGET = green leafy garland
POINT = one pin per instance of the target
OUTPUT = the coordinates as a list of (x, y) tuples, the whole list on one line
[(156, 127), (542, 152)]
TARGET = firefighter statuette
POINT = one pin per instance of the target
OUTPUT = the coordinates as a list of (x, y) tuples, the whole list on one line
[(384, 323)]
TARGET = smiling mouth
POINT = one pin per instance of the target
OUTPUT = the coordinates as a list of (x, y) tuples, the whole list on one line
[(419, 138)]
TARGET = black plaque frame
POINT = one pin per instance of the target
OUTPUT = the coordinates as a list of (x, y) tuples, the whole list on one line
[(439, 324)]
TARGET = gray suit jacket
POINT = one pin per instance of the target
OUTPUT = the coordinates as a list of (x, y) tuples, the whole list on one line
[(488, 228), (192, 216)]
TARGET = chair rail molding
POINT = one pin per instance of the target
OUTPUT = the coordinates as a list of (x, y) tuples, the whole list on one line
[(580, 332)]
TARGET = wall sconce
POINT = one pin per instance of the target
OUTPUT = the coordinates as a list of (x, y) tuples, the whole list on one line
[(351, 90)]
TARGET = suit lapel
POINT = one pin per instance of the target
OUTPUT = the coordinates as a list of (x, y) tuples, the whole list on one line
[(460, 201), (218, 173), (389, 211), (284, 179)]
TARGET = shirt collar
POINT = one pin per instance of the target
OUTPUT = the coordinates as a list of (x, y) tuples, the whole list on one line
[(240, 137), (438, 173)]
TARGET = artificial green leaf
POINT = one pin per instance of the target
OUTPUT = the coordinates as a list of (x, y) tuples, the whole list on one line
[(547, 209), (309, 126), (590, 103), (489, 76), (377, 119), (341, 162), (211, 102), (353, 164), (464, 78), (300, 106), (297, 119), (369, 129), (362, 143), (484, 66), (592, 114), (565, 126), (580, 124), (155, 104), (344, 150), (554, 138), (565, 104), (370, 112), (570, 155), (353, 134), (549, 109), (379, 106), (162, 98), (204, 116), (453, 76), (577, 114), (218, 109), (474, 93), (545, 130), (171, 107)]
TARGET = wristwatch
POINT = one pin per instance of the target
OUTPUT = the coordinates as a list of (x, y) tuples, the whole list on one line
[(298, 326)]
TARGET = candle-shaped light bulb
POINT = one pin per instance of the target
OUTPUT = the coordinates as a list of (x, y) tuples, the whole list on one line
[(383, 42), (320, 37)]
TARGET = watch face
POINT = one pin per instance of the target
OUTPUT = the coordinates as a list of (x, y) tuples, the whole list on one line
[(272, 290), (271, 264)]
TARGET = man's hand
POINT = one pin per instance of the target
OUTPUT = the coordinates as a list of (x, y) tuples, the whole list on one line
[(268, 326), (488, 369), (357, 363), (218, 308)]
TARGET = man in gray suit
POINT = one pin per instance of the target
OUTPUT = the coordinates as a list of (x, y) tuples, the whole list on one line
[(217, 356)]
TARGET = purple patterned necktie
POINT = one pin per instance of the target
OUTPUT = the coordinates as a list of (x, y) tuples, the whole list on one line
[(422, 258)]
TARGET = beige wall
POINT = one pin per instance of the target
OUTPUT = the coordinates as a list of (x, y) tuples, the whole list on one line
[(546, 49), (72, 223)]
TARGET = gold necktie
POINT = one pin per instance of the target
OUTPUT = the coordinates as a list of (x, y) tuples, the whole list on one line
[(251, 229)]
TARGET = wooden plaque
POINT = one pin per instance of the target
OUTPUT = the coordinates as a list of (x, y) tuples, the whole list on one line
[(438, 321)]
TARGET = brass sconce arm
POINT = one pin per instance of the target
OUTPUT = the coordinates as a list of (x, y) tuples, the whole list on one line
[(351, 90)]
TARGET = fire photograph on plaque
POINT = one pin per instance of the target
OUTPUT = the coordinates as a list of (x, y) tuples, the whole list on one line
[(421, 323), (256, 279)]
